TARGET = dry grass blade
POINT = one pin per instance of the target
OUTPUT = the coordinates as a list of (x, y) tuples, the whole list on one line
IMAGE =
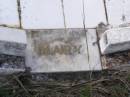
[(20, 83)]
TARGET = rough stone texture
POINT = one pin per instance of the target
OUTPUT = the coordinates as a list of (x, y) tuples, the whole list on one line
[(114, 40), (12, 41), (58, 51), (114, 60), (12, 50), (67, 76), (9, 61)]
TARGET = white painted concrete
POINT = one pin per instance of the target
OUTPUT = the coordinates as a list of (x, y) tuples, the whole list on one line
[(13, 35), (118, 11), (94, 12), (47, 14), (41, 14), (114, 40), (9, 13), (73, 13)]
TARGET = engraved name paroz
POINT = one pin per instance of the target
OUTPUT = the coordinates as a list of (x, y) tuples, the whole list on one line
[(46, 49)]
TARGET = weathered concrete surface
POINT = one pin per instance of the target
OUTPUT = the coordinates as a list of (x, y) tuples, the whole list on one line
[(58, 51), (12, 41), (9, 13), (93, 50), (114, 40), (118, 11), (11, 61)]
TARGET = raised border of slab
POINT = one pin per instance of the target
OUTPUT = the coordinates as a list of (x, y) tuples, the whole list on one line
[(93, 49)]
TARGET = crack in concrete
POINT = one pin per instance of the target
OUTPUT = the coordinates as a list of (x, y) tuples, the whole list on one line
[(19, 13)]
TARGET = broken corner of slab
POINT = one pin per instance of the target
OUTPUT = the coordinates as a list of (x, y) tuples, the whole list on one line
[(115, 40), (12, 49)]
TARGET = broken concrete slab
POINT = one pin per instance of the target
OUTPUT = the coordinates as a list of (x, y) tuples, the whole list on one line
[(11, 61), (115, 40), (12, 50), (9, 15), (12, 41)]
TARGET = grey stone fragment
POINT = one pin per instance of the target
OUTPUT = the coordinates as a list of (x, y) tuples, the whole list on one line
[(9, 71), (12, 50), (12, 41), (9, 61), (115, 40)]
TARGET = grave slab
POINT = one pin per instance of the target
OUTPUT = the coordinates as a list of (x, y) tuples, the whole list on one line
[(115, 40), (61, 51)]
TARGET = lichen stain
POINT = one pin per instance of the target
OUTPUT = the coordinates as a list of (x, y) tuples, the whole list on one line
[(46, 49)]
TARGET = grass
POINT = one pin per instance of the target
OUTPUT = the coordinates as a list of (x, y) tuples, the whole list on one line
[(22, 85), (85, 91)]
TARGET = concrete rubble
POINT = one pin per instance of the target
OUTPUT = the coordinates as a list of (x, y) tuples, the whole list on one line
[(115, 40)]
